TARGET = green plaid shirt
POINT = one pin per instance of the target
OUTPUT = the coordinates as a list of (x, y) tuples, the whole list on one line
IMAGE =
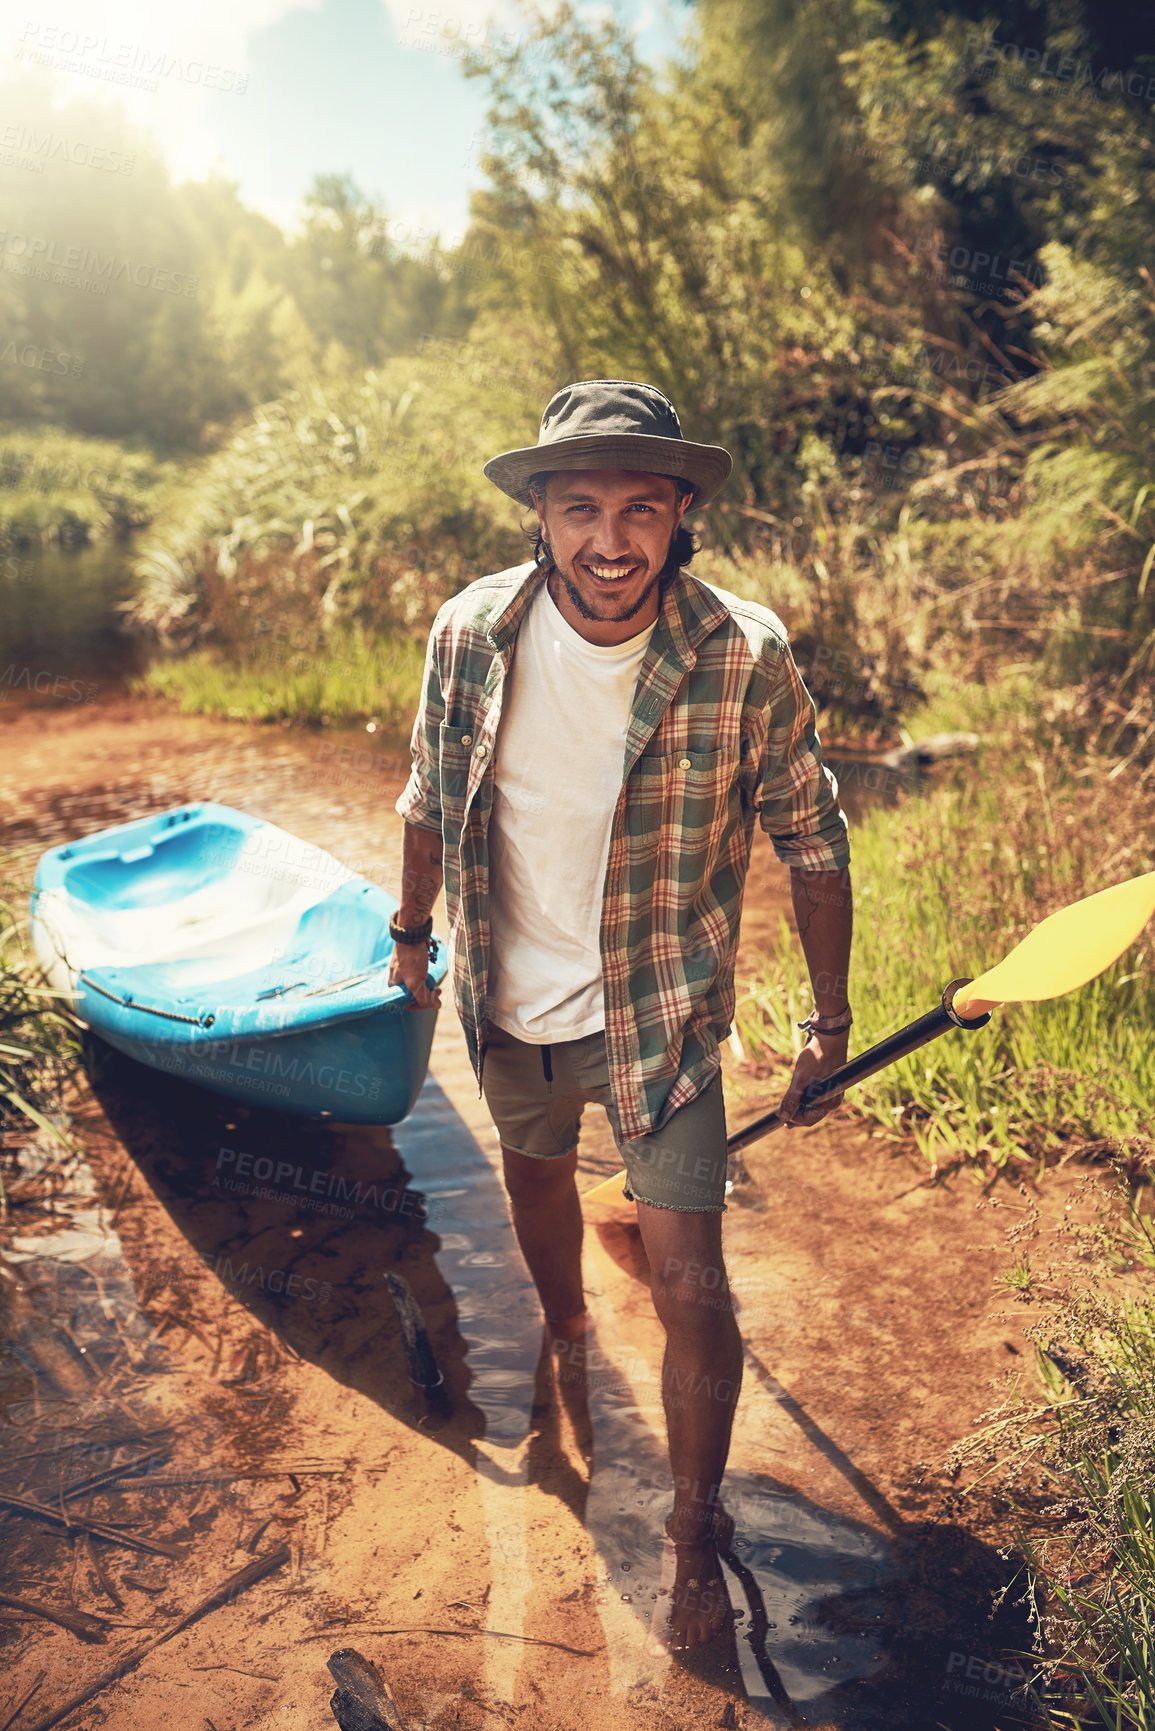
[(721, 733)]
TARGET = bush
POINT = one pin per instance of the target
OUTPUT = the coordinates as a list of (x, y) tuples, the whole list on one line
[(358, 500), (60, 489)]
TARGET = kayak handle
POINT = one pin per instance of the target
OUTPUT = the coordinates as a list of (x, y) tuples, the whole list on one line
[(130, 1003)]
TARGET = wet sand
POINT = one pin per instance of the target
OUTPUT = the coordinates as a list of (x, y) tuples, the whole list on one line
[(465, 1543)]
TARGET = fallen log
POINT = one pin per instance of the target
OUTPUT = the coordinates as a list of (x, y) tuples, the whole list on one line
[(228, 1589)]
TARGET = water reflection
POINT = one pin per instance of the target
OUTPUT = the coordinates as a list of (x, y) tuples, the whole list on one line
[(61, 621)]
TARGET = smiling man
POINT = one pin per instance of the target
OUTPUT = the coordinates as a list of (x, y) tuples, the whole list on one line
[(599, 734)]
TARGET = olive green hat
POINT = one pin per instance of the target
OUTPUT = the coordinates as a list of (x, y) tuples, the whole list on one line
[(612, 424)]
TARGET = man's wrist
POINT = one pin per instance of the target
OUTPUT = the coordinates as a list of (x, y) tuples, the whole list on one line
[(838, 1022), (412, 931)]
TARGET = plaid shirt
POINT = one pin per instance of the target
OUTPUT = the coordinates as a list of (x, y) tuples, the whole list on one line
[(721, 732)]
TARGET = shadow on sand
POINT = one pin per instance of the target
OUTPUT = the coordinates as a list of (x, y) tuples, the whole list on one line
[(842, 1625)]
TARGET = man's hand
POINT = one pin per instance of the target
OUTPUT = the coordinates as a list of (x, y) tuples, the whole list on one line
[(421, 878), (409, 966), (822, 1054)]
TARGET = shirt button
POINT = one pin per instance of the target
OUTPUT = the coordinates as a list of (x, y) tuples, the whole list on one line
[(683, 763), (467, 739), (483, 751)]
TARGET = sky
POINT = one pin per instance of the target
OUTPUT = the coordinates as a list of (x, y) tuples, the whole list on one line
[(271, 92)]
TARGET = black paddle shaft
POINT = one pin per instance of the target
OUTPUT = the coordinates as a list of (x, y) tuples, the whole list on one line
[(888, 1051)]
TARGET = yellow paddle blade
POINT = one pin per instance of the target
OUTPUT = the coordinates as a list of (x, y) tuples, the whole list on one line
[(1065, 950), (608, 1191)]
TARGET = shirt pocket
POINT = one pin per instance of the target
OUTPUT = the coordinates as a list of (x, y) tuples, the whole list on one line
[(677, 795)]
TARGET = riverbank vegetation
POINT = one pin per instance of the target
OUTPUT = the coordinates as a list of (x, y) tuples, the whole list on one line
[(60, 489), (1070, 1450), (946, 884), (895, 262), (39, 1044)]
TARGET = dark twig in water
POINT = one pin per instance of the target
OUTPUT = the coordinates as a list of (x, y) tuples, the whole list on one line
[(23, 1702), (756, 1638), (79, 1623), (40, 1511), (228, 1589), (414, 1335), (363, 1700)]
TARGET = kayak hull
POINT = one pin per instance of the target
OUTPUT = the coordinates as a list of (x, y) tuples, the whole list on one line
[(365, 1072), (212, 946)]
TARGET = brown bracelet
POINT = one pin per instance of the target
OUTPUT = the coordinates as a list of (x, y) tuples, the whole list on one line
[(817, 1024), (410, 934)]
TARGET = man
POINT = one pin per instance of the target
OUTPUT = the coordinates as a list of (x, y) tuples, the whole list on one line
[(598, 734)]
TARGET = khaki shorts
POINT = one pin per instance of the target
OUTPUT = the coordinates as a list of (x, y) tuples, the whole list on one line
[(536, 1095)]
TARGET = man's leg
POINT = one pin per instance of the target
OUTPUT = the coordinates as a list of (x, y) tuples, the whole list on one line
[(701, 1376), (547, 1219)]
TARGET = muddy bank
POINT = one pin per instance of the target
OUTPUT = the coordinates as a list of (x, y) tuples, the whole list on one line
[(493, 1549)]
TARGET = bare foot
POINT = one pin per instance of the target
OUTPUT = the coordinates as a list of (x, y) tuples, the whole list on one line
[(699, 1603)]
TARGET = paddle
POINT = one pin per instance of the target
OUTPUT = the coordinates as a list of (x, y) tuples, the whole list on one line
[(1061, 953)]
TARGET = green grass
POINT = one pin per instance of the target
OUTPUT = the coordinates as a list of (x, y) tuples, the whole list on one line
[(944, 886), (357, 678), (39, 1045), (1085, 1458)]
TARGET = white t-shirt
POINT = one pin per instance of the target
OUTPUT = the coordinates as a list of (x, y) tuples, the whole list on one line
[(560, 756)]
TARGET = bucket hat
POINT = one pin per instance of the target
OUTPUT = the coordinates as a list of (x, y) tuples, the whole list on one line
[(612, 424)]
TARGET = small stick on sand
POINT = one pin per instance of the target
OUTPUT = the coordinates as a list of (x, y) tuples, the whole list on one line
[(25, 1506), (97, 1481), (23, 1702), (228, 1589), (80, 1623)]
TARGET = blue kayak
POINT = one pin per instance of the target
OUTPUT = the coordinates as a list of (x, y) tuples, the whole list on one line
[(217, 947)]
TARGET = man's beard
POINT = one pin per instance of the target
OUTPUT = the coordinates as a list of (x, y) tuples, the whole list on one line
[(581, 606), (587, 612)]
